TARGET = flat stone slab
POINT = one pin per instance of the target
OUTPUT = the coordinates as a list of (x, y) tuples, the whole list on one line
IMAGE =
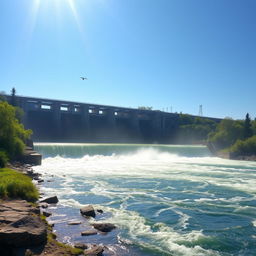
[(8, 217), (89, 233), (73, 223), (16, 205)]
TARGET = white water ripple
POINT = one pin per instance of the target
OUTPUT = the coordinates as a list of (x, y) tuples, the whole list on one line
[(141, 187)]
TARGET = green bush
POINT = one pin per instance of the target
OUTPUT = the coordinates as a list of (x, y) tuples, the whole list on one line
[(193, 129), (246, 147), (14, 184), (227, 133), (3, 159), (12, 134)]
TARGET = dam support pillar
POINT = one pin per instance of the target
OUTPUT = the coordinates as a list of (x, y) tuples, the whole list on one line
[(85, 122), (157, 123), (163, 128), (57, 120), (111, 125), (135, 126)]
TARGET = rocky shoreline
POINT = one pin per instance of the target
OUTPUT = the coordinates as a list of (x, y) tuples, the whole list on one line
[(229, 155), (25, 231)]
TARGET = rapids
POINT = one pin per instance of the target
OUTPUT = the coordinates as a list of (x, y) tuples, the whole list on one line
[(165, 199)]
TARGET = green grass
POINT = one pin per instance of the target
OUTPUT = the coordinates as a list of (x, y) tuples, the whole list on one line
[(15, 185)]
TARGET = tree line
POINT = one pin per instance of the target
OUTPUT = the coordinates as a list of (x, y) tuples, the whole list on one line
[(13, 136), (235, 136)]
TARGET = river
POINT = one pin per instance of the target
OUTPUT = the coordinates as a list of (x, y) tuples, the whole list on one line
[(164, 199)]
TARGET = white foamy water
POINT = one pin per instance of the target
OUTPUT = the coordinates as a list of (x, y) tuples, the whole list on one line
[(174, 200)]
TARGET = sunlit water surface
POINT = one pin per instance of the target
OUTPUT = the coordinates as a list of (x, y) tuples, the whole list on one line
[(165, 200)]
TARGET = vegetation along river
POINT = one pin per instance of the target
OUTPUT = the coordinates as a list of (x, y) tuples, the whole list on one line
[(165, 200)]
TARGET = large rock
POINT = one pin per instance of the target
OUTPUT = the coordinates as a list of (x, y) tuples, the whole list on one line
[(95, 250), (88, 211), (19, 226), (50, 200), (28, 231), (104, 227)]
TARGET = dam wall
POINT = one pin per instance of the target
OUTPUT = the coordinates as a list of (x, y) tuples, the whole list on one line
[(66, 121)]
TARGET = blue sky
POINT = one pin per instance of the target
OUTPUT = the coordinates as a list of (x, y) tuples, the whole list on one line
[(159, 53)]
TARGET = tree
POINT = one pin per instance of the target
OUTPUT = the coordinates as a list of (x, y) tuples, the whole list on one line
[(13, 136), (193, 129), (245, 147), (13, 97), (247, 127), (228, 131)]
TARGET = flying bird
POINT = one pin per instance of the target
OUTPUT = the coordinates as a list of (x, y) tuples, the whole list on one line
[(83, 78)]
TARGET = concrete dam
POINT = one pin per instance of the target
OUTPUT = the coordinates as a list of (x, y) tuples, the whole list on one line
[(66, 121)]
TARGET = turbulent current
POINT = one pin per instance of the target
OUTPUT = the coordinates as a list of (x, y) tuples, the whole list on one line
[(165, 200)]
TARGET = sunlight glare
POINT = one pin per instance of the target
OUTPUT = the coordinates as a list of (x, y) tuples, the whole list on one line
[(75, 14), (57, 4), (41, 8), (34, 13)]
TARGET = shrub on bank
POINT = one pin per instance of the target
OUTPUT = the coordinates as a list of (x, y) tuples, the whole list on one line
[(227, 133), (16, 185), (245, 147), (3, 159), (13, 136)]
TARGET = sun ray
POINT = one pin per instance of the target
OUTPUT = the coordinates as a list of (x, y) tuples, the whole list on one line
[(78, 22), (37, 15), (75, 14), (33, 17), (35, 10)]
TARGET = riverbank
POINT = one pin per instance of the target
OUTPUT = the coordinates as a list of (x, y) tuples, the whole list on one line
[(23, 226), (23, 231), (230, 155)]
